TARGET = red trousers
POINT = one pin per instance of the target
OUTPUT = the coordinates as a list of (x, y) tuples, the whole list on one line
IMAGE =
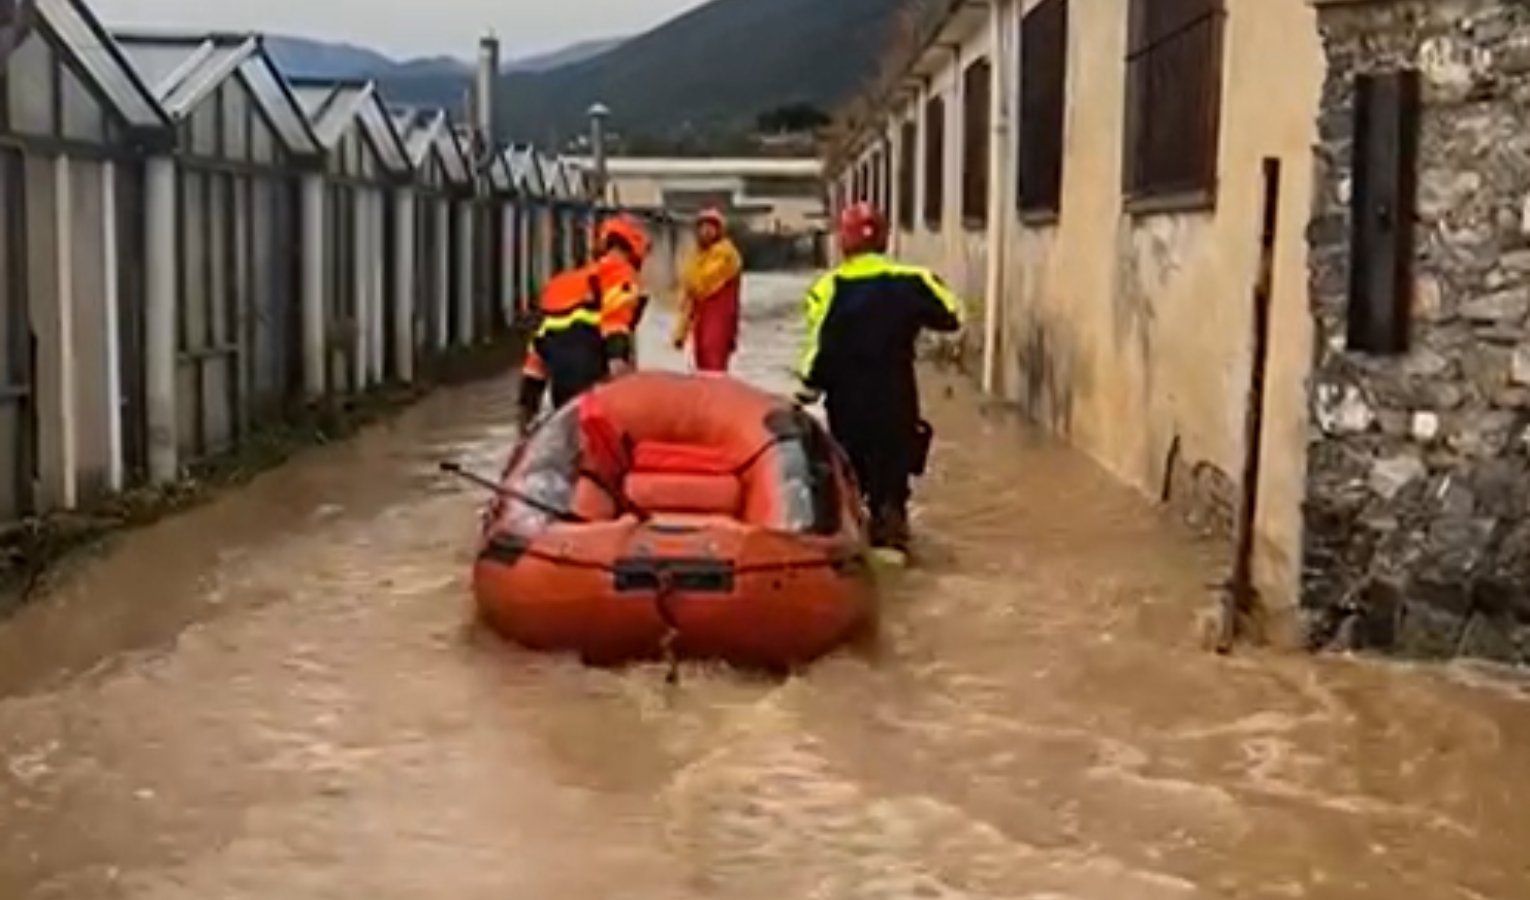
[(715, 334)]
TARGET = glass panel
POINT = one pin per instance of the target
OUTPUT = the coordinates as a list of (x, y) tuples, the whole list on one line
[(262, 142), (105, 68), (220, 285), (236, 120), (204, 130), (193, 261), (31, 87), (83, 117)]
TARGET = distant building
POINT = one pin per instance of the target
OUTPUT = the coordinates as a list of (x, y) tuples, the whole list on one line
[(766, 195)]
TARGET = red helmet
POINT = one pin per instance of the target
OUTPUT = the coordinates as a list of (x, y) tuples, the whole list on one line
[(625, 230), (711, 214), (861, 230)]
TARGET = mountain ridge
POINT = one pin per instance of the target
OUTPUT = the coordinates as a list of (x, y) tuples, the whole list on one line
[(316, 58), (700, 80), (708, 72)]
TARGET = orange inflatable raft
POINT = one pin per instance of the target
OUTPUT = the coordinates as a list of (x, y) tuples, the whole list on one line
[(689, 512)]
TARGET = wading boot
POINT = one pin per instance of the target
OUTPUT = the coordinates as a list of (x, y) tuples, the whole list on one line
[(890, 529)]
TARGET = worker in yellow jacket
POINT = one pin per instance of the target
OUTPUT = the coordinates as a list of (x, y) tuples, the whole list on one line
[(710, 300)]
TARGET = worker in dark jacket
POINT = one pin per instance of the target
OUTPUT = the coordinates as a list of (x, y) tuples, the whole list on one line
[(589, 316), (863, 319)]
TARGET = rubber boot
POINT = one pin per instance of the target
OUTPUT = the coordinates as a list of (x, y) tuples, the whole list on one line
[(899, 535), (890, 529)]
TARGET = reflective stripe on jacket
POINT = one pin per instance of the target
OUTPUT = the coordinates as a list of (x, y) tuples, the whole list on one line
[(587, 316)]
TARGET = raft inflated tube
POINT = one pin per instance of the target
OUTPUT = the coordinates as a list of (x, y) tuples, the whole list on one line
[(690, 507)]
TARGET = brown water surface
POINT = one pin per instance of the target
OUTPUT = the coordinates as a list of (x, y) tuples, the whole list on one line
[(282, 695)]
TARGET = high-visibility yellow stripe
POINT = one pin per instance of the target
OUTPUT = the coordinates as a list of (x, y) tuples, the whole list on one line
[(872, 265), (622, 294), (815, 306), (553, 324)]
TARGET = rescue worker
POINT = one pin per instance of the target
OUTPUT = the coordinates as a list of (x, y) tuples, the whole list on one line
[(709, 300), (589, 317), (863, 320)]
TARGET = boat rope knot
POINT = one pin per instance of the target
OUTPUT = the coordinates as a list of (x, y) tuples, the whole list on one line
[(662, 597)]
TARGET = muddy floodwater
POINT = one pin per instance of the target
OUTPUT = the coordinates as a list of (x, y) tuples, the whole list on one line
[(283, 695)]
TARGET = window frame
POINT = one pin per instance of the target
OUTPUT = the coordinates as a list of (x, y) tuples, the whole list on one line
[(1043, 103), (1148, 194), (977, 141), (936, 120), (908, 173)]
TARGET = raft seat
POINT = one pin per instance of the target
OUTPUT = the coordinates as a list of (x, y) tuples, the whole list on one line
[(655, 492), (680, 478)]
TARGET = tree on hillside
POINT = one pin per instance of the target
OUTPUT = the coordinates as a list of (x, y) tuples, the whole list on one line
[(793, 118)]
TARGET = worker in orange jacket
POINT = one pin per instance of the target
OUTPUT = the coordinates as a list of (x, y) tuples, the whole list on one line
[(589, 318)]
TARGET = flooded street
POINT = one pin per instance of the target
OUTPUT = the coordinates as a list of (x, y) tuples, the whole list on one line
[(283, 695)]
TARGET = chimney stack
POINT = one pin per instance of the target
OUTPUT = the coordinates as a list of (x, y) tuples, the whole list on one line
[(598, 175), (483, 96)]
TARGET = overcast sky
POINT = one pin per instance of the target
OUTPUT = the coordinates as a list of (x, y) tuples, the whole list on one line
[(407, 27)]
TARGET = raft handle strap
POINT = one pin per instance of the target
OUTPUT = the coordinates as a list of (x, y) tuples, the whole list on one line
[(759, 454), (661, 598), (622, 502)]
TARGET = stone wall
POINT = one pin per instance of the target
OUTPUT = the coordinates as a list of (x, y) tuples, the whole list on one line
[(1417, 516)]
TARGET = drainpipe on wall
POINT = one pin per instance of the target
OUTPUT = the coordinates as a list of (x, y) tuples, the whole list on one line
[(510, 274), (66, 491), (115, 475), (159, 319), (465, 336), (361, 289), (403, 286), (998, 189), (443, 271), (314, 248), (952, 235), (374, 284), (379, 205)]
